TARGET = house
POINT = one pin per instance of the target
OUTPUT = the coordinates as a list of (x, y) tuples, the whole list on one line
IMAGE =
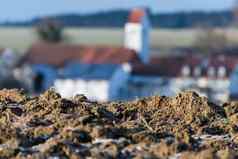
[(8, 64), (61, 62), (8, 60), (80, 69), (159, 77)]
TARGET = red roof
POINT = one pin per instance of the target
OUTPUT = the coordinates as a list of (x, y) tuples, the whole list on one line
[(136, 15), (171, 66), (155, 70), (60, 54)]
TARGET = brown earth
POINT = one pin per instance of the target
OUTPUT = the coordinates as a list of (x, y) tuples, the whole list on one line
[(186, 126)]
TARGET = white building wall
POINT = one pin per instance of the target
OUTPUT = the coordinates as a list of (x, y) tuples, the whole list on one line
[(93, 89), (215, 89), (133, 36)]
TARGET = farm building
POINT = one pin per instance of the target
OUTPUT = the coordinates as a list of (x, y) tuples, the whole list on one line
[(8, 62), (210, 77)]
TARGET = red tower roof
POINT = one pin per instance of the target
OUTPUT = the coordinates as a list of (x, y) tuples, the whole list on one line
[(136, 15)]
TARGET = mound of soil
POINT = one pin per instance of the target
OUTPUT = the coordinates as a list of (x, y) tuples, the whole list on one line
[(48, 126)]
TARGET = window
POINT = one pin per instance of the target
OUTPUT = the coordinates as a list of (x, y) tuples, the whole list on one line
[(38, 82)]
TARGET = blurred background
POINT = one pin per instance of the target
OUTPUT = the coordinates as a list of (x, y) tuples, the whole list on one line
[(120, 49)]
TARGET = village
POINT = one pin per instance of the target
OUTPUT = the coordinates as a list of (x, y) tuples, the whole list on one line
[(107, 73), (121, 79)]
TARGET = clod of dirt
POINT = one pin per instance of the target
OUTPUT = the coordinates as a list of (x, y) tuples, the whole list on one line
[(210, 154), (187, 111), (12, 96), (49, 126)]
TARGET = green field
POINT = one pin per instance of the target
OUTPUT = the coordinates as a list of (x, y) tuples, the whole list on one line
[(21, 38)]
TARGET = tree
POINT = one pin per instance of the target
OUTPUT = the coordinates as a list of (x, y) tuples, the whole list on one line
[(50, 30)]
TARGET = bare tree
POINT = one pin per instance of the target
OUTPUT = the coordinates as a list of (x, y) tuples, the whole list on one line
[(50, 30)]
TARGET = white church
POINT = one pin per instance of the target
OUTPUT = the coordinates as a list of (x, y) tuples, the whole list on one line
[(89, 70)]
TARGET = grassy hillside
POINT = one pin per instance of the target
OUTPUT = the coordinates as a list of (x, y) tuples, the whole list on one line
[(21, 38)]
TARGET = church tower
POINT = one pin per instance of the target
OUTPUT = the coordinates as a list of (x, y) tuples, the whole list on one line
[(137, 31)]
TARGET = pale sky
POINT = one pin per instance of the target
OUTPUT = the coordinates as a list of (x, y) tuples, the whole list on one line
[(27, 9)]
